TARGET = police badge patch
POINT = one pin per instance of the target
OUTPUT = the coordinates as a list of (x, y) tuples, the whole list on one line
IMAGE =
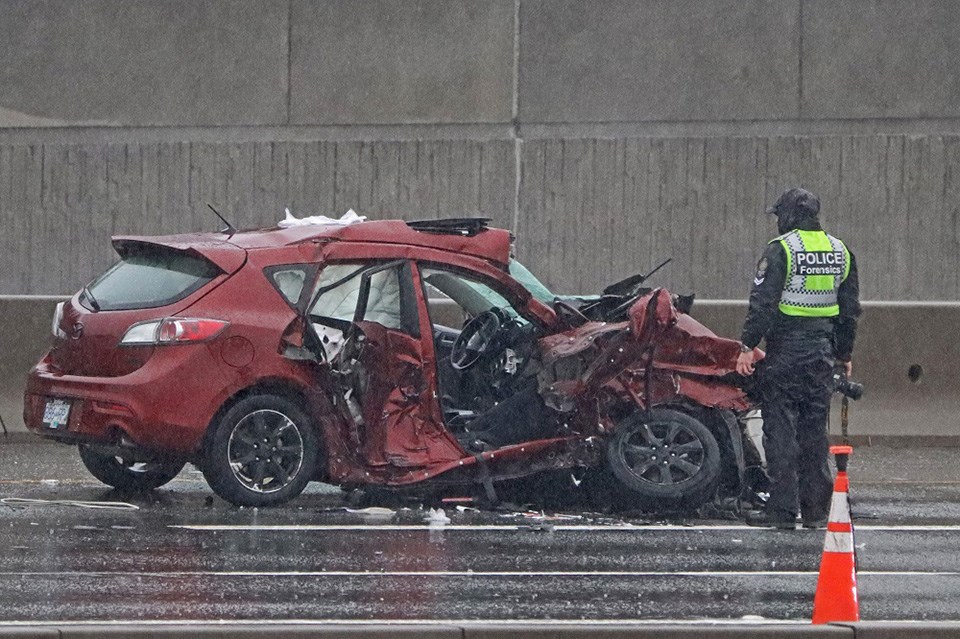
[(761, 271)]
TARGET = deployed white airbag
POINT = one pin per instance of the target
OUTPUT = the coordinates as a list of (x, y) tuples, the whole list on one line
[(350, 217), (383, 303)]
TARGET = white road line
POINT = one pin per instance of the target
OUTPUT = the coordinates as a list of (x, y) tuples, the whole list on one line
[(527, 525), (478, 573), (458, 527), (469, 623), (881, 528)]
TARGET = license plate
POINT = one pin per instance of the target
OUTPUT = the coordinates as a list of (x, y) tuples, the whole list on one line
[(56, 413)]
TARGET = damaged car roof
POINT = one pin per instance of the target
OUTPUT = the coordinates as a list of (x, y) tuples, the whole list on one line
[(487, 243)]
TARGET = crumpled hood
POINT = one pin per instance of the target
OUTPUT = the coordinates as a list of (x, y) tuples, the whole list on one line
[(583, 359)]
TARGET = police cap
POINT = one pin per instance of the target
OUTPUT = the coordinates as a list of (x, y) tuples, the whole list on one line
[(796, 200)]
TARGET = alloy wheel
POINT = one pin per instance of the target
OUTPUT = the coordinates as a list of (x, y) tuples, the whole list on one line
[(265, 451), (663, 452)]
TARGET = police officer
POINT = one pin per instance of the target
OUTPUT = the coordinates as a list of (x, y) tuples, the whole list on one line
[(805, 302)]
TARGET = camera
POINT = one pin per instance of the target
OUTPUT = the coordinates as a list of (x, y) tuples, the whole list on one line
[(845, 387)]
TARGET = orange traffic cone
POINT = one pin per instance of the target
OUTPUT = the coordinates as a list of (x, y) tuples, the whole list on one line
[(836, 597)]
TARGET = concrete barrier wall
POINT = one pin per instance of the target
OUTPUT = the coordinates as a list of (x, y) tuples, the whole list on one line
[(658, 60), (59, 204), (254, 62), (607, 134), (143, 63), (382, 62), (593, 211), (905, 358), (25, 335), (882, 58), (687, 60), (271, 62), (587, 212)]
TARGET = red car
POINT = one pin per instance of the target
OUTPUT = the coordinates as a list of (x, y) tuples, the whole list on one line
[(384, 353)]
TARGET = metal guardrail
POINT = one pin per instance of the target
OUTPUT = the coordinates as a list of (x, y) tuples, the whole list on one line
[(907, 356)]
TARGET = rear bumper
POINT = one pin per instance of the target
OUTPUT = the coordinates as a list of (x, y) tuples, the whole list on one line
[(164, 406)]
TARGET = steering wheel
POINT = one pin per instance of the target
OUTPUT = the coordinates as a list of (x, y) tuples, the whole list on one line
[(474, 340)]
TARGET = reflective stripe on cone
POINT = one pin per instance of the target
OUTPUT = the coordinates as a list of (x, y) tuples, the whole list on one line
[(836, 596), (838, 542)]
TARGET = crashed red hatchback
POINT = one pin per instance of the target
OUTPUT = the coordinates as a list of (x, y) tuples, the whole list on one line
[(385, 353)]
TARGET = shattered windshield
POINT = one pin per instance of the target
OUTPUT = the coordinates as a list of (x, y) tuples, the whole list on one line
[(530, 282), (470, 295), (540, 292)]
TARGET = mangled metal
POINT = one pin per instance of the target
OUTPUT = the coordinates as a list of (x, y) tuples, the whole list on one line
[(335, 327)]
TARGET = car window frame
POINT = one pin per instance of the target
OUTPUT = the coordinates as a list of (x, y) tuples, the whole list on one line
[(518, 304), (526, 278), (310, 271), (409, 307), (199, 284)]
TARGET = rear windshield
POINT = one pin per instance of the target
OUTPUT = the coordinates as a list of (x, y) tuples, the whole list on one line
[(148, 277)]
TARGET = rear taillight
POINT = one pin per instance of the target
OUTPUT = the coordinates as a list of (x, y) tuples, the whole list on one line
[(57, 318), (173, 330)]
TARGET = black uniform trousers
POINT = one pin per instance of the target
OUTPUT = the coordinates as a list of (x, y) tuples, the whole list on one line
[(797, 384)]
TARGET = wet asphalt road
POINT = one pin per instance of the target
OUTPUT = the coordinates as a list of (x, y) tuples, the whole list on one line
[(184, 554)]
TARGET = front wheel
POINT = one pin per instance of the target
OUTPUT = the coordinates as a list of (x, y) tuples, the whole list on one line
[(128, 475), (665, 459), (262, 452)]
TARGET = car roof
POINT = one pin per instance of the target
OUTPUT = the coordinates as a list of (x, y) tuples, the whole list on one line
[(488, 243)]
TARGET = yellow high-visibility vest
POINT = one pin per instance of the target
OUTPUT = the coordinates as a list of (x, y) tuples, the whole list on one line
[(817, 263)]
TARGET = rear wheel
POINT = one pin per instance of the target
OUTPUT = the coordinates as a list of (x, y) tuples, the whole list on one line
[(262, 452), (126, 474), (665, 459)]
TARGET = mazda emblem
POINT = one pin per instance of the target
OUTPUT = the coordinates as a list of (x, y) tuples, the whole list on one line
[(77, 331)]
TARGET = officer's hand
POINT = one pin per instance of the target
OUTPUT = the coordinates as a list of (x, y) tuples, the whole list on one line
[(848, 368), (745, 363)]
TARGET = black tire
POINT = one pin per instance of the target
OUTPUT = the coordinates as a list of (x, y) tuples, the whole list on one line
[(262, 452), (128, 475), (666, 460)]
